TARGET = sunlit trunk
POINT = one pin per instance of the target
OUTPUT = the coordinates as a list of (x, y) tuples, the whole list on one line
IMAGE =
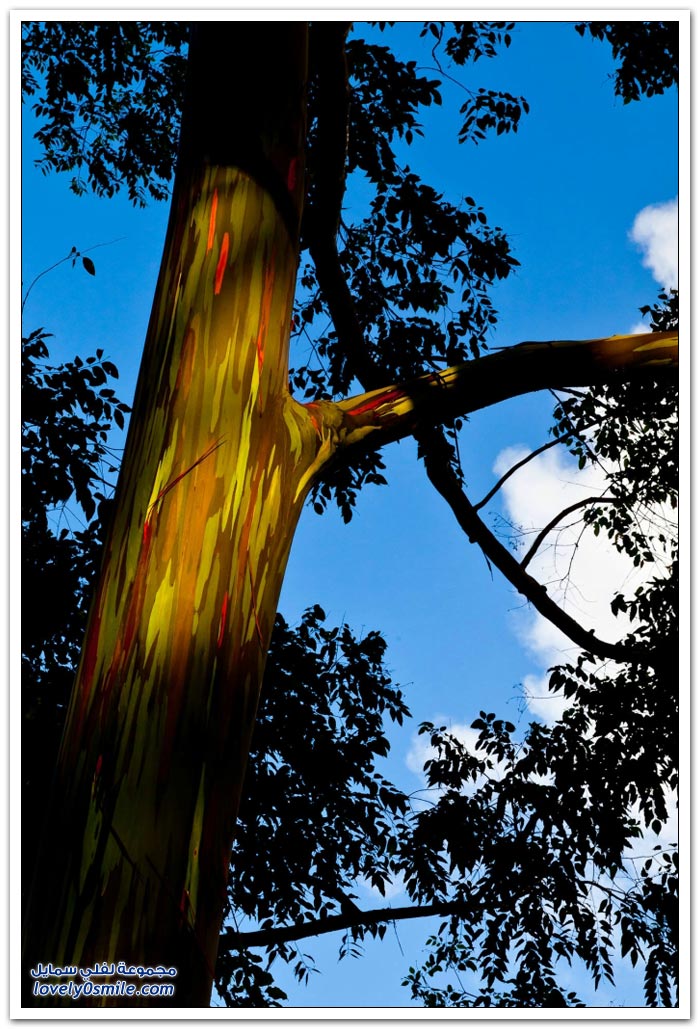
[(153, 757)]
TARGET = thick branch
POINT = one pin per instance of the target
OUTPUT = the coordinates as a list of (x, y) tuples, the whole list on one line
[(446, 483), (333, 923), (394, 412)]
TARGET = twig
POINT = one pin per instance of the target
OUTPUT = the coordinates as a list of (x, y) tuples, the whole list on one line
[(519, 464), (71, 256), (558, 517)]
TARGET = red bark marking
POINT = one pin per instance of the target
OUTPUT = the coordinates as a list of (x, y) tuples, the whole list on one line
[(255, 609), (292, 174), (376, 402), (184, 903), (212, 220), (147, 530), (222, 621), (173, 482), (314, 420), (221, 265), (260, 347)]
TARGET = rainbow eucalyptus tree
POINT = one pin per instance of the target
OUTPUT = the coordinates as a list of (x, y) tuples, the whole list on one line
[(219, 460)]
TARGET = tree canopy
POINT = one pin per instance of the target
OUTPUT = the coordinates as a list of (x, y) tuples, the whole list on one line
[(524, 853)]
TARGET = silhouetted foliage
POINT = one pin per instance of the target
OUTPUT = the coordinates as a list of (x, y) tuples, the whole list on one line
[(647, 52), (315, 804), (108, 95), (67, 413)]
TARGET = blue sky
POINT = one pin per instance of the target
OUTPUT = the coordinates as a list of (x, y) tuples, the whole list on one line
[(567, 189)]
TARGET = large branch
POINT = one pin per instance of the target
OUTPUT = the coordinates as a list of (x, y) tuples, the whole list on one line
[(384, 415), (388, 413), (445, 481), (334, 923)]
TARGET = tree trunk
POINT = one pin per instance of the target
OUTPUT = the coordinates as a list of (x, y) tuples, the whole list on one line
[(137, 851), (219, 457)]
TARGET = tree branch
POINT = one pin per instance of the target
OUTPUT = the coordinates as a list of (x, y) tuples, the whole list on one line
[(390, 413), (519, 464), (446, 483), (333, 923), (586, 502)]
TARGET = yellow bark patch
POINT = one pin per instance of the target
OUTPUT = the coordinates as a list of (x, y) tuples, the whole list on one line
[(207, 545), (160, 610)]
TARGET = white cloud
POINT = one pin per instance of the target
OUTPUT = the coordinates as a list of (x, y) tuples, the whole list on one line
[(541, 701), (639, 327), (655, 231), (421, 750), (582, 572)]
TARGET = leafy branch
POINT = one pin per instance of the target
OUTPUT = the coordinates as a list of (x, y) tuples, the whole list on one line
[(275, 935)]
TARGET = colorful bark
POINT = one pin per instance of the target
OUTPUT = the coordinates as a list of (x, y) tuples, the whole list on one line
[(167, 690), (158, 730), (381, 415)]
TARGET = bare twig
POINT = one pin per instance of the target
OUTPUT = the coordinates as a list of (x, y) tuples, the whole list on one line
[(519, 464), (69, 257), (586, 502)]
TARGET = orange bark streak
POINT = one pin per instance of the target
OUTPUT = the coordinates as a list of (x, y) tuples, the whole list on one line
[(255, 609), (221, 265), (314, 420), (222, 622), (212, 220)]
